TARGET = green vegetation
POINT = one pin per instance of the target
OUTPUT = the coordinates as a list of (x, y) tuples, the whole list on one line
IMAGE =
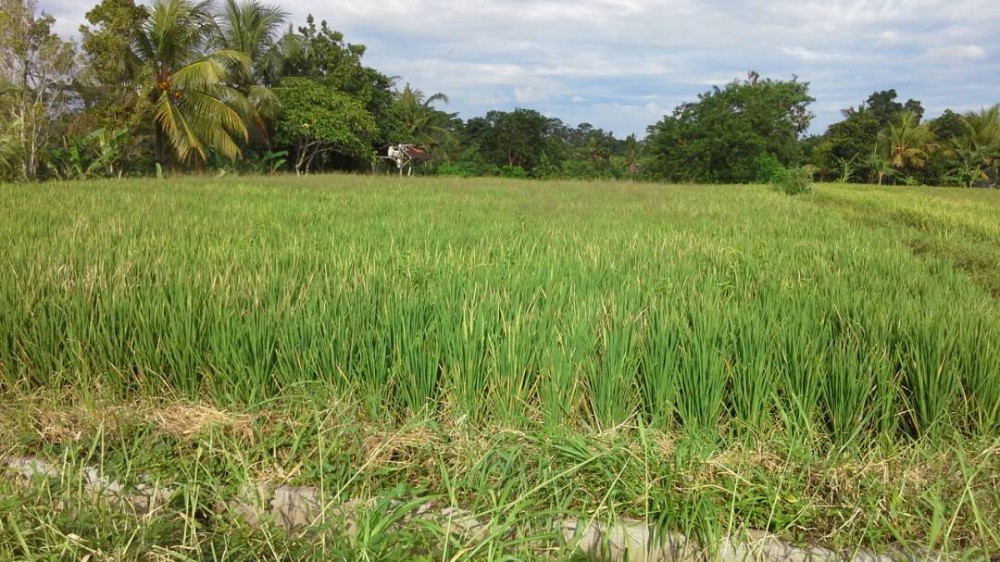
[(238, 292), (884, 141), (705, 359), (232, 86), (956, 226), (723, 136), (794, 181)]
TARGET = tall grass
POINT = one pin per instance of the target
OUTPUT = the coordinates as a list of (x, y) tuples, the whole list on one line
[(696, 309)]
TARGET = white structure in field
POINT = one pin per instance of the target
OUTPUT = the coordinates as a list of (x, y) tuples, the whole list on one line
[(404, 155)]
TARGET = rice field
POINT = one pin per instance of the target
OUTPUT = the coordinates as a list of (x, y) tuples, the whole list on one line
[(717, 311), (695, 359)]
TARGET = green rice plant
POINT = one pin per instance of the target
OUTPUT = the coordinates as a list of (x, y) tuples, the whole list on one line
[(465, 351), (854, 392), (368, 363), (929, 373), (751, 369), (976, 362), (802, 340), (659, 364), (415, 358), (560, 380), (513, 358), (611, 374), (517, 303), (701, 375)]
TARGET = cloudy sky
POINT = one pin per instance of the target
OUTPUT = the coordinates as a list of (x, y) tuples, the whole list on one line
[(622, 64)]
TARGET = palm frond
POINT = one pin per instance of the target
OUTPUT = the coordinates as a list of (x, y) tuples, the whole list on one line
[(263, 101), (179, 131), (218, 122), (254, 28), (209, 71)]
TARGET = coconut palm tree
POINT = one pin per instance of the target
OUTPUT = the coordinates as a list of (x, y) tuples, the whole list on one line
[(631, 155), (984, 127), (421, 122), (983, 134), (257, 30), (860, 111), (194, 106), (880, 166), (10, 148), (907, 142), (977, 150)]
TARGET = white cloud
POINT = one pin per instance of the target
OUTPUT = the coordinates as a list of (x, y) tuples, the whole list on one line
[(654, 108), (956, 52), (529, 94), (887, 38), (811, 55), (486, 99)]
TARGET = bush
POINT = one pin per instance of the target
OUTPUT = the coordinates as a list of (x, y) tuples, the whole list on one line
[(466, 169), (794, 180), (513, 172), (769, 169)]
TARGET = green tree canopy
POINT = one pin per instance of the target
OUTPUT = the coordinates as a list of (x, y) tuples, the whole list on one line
[(948, 126), (848, 149), (521, 138), (885, 108), (724, 135), (972, 148), (37, 69), (322, 54), (112, 82), (318, 121), (588, 151), (845, 149)]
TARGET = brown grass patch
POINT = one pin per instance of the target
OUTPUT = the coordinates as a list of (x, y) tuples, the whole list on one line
[(185, 420)]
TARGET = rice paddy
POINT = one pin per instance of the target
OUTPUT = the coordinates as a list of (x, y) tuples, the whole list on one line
[(724, 318)]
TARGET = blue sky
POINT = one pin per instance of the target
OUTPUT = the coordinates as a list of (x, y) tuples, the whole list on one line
[(622, 64)]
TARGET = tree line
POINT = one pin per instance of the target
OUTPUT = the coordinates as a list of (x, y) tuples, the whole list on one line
[(200, 85)]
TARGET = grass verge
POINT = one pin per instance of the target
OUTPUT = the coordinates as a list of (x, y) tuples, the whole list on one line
[(938, 495)]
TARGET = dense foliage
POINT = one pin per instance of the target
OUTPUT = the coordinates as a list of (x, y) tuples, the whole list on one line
[(318, 121), (209, 85), (885, 141), (733, 134)]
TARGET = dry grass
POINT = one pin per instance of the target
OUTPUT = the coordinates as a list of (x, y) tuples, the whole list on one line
[(186, 420)]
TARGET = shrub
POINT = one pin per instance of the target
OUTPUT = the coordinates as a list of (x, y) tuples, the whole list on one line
[(794, 180), (769, 169), (513, 172), (466, 169)]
